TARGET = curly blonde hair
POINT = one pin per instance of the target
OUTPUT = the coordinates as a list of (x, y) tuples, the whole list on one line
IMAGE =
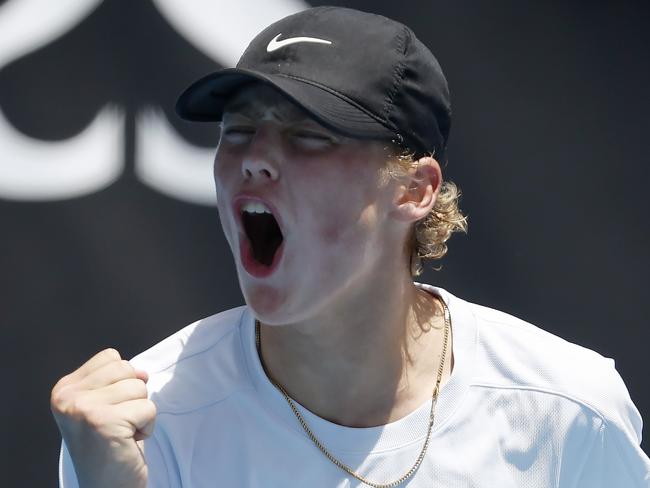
[(429, 236)]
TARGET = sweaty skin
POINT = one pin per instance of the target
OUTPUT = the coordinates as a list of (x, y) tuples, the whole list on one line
[(344, 329)]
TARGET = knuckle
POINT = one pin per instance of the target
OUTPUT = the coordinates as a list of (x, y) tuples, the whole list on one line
[(112, 354), (126, 368), (64, 401), (151, 409), (70, 404), (140, 389), (59, 382), (63, 381), (78, 407), (58, 399)]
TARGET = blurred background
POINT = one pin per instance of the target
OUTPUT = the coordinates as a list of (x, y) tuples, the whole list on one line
[(110, 235)]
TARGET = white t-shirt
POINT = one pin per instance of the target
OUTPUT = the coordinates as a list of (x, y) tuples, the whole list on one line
[(522, 408)]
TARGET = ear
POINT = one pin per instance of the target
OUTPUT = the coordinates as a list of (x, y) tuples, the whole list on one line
[(417, 192)]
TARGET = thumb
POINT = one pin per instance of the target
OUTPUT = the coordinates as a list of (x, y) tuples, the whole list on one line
[(145, 431), (142, 375)]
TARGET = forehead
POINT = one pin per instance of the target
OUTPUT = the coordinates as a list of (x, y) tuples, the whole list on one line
[(256, 100)]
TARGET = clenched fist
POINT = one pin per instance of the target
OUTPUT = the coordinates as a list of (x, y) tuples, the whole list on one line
[(103, 413)]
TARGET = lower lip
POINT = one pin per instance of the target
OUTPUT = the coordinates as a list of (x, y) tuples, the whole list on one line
[(254, 268)]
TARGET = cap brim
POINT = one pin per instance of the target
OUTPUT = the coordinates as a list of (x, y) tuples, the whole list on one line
[(205, 99)]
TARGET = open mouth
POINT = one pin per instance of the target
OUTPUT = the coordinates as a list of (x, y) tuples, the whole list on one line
[(264, 235)]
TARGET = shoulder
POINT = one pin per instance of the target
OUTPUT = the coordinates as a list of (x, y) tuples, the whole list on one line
[(513, 353), (197, 366)]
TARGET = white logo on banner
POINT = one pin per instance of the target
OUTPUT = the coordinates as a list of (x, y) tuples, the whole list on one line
[(35, 170)]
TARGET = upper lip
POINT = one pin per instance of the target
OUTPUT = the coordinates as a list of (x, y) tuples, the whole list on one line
[(240, 199)]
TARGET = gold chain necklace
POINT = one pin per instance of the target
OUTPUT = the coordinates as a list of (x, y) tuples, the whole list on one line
[(323, 449)]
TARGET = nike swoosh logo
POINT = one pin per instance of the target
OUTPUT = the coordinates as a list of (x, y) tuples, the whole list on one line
[(275, 44)]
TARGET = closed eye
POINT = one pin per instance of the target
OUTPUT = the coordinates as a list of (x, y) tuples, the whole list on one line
[(311, 140), (238, 134)]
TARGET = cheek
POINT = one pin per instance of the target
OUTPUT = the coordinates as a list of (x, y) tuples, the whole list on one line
[(227, 164), (225, 175), (222, 201), (225, 172), (332, 228), (346, 230), (330, 235), (342, 215), (222, 175)]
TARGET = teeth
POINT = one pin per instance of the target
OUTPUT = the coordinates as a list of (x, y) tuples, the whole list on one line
[(255, 207)]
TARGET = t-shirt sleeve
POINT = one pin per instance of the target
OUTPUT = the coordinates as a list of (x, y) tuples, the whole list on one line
[(157, 471), (615, 460), (615, 457), (67, 475)]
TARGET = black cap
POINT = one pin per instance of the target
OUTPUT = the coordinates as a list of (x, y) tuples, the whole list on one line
[(357, 73)]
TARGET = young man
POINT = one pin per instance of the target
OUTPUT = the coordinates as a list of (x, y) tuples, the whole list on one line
[(341, 370)]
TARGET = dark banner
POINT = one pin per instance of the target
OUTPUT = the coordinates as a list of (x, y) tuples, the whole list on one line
[(110, 235)]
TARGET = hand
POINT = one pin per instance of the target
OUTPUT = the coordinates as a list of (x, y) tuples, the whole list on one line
[(103, 413)]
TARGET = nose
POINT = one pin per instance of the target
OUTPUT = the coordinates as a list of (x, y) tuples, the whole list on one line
[(260, 161), (257, 168)]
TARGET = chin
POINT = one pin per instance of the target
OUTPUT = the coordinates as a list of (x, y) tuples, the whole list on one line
[(267, 302)]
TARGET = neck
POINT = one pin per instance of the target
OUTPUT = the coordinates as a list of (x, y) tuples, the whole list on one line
[(362, 366)]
